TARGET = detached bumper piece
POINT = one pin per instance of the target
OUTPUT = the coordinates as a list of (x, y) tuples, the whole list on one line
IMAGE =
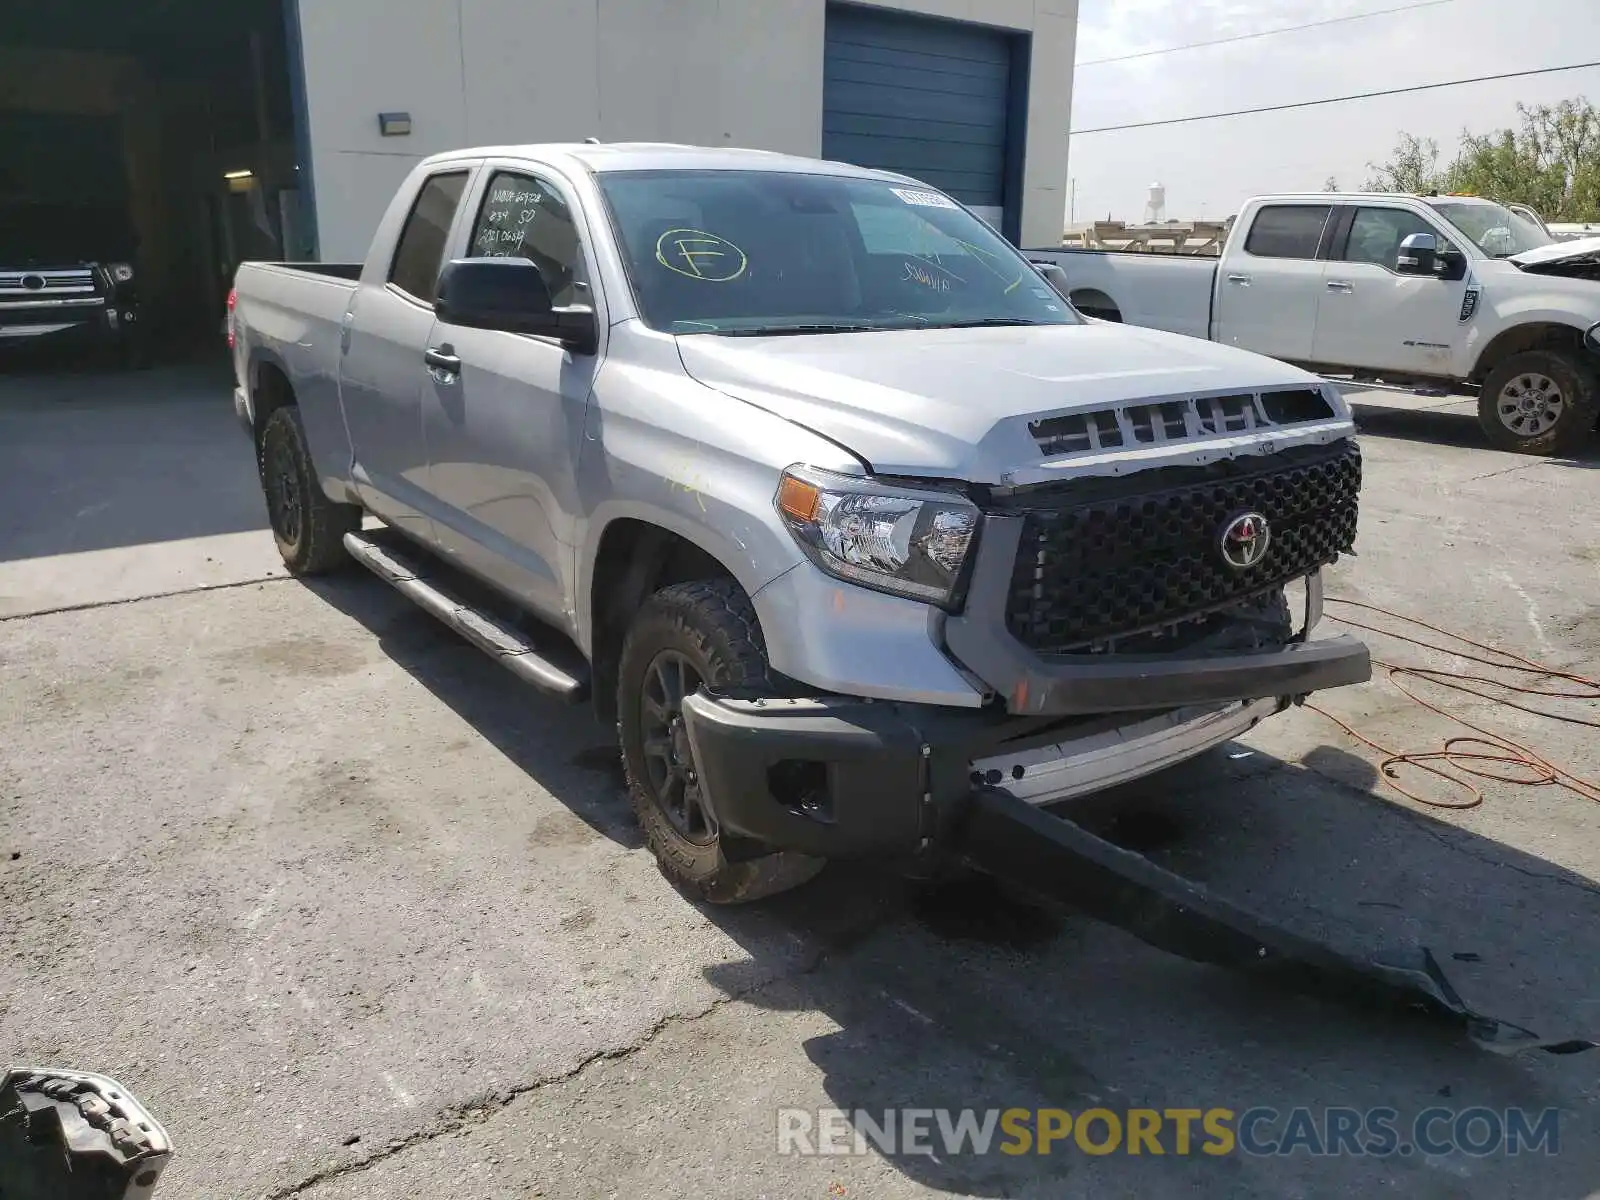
[(71, 1135), (1011, 839), (837, 777)]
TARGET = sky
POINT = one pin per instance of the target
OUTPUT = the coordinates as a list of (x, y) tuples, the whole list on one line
[(1210, 167)]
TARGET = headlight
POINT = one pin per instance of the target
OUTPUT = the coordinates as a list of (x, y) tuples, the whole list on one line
[(910, 542), (122, 272)]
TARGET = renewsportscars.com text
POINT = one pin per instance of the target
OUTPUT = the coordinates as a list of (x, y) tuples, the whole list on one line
[(1375, 1132)]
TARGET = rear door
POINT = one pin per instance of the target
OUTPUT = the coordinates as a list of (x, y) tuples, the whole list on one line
[(1371, 315), (383, 371), (504, 428), (1269, 290)]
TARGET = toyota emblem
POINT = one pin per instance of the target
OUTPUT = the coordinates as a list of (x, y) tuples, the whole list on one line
[(1245, 540)]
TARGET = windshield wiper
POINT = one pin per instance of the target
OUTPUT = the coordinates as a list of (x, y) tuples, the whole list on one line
[(793, 330), (987, 322)]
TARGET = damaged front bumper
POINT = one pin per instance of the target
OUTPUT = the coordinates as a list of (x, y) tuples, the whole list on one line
[(839, 777)]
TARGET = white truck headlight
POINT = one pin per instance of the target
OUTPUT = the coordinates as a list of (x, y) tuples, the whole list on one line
[(906, 541), (122, 272)]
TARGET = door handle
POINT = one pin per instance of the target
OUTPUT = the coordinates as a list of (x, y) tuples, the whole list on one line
[(1339, 285), (441, 362), (1241, 280)]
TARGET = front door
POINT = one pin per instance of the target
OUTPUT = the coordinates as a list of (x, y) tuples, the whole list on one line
[(1268, 293), (383, 373), (1374, 317), (505, 430)]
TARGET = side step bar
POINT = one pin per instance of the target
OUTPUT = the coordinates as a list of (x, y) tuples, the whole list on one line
[(1012, 840), (1362, 385), (511, 649)]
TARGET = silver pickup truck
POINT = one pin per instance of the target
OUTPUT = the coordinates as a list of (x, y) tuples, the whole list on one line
[(807, 481)]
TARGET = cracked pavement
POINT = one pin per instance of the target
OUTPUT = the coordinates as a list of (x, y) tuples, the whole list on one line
[(358, 916)]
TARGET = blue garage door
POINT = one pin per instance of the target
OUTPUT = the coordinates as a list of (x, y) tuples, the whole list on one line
[(927, 98)]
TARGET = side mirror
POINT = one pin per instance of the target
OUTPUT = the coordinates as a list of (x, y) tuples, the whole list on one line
[(509, 294), (1419, 254), (1054, 276)]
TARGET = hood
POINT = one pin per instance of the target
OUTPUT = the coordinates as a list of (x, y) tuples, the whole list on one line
[(957, 403), (1574, 250)]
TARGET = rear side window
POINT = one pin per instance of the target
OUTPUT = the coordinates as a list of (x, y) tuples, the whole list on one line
[(419, 257), (1287, 231)]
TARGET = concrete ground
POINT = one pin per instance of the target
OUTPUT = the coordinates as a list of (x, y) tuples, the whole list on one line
[(357, 916)]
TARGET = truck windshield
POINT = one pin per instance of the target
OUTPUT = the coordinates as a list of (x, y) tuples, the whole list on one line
[(47, 233), (1493, 228), (759, 252)]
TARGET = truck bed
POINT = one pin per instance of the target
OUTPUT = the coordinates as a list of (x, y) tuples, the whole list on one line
[(1159, 291), (294, 308), (290, 316)]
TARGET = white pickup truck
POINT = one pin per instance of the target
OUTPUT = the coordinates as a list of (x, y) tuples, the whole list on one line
[(1436, 293)]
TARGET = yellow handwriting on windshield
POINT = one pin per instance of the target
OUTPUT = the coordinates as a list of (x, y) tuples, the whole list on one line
[(918, 272), (700, 255)]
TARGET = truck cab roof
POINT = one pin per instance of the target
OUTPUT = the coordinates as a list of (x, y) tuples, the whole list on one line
[(599, 158)]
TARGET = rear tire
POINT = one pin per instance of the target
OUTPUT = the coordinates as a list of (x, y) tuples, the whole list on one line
[(685, 635), (1540, 402), (308, 527)]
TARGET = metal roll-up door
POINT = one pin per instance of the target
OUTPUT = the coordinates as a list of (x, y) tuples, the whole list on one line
[(924, 97)]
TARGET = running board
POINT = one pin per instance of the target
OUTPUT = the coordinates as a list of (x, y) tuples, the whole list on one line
[(510, 648), (1012, 840), (1422, 393)]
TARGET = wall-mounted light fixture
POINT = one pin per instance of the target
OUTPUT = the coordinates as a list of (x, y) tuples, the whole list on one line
[(394, 124), (238, 174)]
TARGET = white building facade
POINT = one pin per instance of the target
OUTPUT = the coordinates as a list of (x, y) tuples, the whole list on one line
[(973, 96)]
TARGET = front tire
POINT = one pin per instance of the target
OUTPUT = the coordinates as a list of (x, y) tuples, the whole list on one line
[(308, 527), (1539, 402), (685, 635)]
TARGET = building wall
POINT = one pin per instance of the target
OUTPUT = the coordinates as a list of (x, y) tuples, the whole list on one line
[(709, 72)]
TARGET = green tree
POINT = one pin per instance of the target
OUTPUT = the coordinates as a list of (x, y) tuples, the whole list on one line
[(1550, 162), (1412, 167)]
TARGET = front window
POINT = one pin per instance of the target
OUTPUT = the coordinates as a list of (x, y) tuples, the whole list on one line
[(765, 252), (1493, 228)]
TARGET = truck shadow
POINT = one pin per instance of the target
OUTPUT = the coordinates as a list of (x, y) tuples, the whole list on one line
[(563, 749), (1443, 428), (968, 995)]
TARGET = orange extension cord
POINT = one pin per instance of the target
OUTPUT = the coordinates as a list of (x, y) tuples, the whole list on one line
[(1487, 747)]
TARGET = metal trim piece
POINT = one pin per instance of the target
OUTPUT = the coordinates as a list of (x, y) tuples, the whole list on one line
[(1071, 768)]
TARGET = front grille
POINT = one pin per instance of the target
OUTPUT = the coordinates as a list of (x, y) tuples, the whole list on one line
[(1103, 559), (17, 285)]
